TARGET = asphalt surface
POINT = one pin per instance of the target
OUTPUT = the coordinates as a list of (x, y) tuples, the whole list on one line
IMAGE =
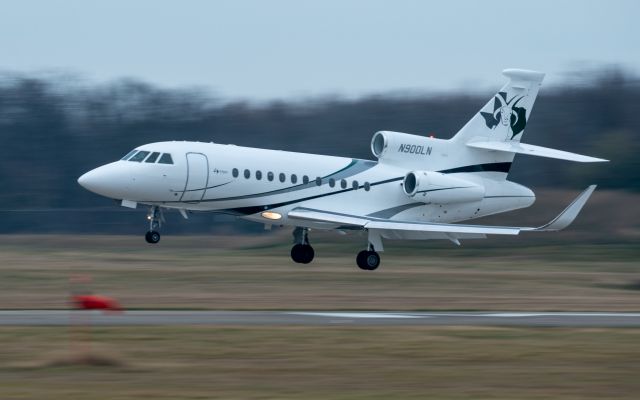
[(318, 318)]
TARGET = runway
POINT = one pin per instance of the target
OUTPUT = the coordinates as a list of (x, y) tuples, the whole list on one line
[(318, 318)]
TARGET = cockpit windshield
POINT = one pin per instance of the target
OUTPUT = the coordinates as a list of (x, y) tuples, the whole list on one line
[(166, 159), (152, 158), (141, 155), (129, 154), (148, 157)]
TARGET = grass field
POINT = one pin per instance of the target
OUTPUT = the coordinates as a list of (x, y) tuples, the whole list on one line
[(256, 273), (318, 362), (322, 363)]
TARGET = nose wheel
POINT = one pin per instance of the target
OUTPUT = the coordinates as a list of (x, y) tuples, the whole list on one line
[(152, 237), (155, 218)]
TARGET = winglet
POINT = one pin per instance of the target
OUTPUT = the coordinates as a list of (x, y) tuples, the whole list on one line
[(566, 217)]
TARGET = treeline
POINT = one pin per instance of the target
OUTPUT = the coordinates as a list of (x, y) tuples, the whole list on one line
[(55, 128)]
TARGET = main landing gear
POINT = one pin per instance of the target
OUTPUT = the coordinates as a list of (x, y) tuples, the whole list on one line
[(301, 252), (155, 221), (368, 260)]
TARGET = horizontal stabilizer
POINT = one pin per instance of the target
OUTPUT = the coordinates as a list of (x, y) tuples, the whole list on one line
[(532, 150)]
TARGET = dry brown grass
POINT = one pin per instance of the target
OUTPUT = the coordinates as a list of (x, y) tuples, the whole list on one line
[(256, 273), (319, 362), (326, 363), (89, 359)]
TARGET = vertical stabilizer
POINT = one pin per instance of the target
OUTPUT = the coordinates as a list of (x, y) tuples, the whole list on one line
[(505, 116)]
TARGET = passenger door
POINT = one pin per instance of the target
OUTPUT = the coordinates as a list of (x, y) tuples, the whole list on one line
[(197, 178)]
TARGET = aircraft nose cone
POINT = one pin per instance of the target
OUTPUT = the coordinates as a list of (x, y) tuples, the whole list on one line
[(91, 180), (85, 180), (108, 180)]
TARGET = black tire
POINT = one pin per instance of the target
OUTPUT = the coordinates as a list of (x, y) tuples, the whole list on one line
[(302, 253), (308, 254), (373, 260), (296, 253), (360, 259), (368, 260), (152, 237)]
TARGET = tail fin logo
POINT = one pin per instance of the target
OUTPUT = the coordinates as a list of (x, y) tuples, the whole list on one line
[(506, 112)]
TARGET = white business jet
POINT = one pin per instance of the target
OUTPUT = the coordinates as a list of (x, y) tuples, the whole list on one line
[(419, 187)]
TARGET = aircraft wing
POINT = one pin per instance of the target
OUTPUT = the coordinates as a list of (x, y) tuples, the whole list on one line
[(451, 231)]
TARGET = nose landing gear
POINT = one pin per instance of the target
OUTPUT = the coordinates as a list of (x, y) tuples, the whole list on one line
[(155, 218), (152, 237), (302, 252)]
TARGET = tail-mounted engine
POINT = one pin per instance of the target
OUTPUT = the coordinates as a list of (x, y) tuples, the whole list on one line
[(402, 148), (438, 188)]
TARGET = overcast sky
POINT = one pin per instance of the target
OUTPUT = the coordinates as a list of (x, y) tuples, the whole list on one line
[(291, 48)]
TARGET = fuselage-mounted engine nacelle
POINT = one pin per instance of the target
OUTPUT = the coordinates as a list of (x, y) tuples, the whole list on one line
[(438, 188), (397, 148)]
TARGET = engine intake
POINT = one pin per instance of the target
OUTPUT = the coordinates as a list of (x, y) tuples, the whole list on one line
[(438, 188)]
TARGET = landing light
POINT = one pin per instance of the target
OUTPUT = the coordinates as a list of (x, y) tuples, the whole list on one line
[(271, 215)]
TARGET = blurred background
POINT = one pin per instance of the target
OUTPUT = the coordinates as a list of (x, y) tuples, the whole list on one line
[(83, 83)]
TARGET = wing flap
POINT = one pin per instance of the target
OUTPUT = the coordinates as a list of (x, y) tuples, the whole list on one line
[(319, 216), (415, 235), (532, 150), (450, 231), (443, 228)]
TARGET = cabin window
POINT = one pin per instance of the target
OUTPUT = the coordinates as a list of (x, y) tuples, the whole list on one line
[(354, 185), (270, 176), (235, 172), (294, 178), (165, 159), (332, 182), (367, 186), (319, 181), (247, 174), (141, 155), (129, 154), (282, 177), (305, 179), (152, 158), (343, 184), (258, 175)]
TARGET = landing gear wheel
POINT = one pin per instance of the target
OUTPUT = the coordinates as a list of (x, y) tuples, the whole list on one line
[(155, 221), (302, 253), (152, 237), (368, 260)]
